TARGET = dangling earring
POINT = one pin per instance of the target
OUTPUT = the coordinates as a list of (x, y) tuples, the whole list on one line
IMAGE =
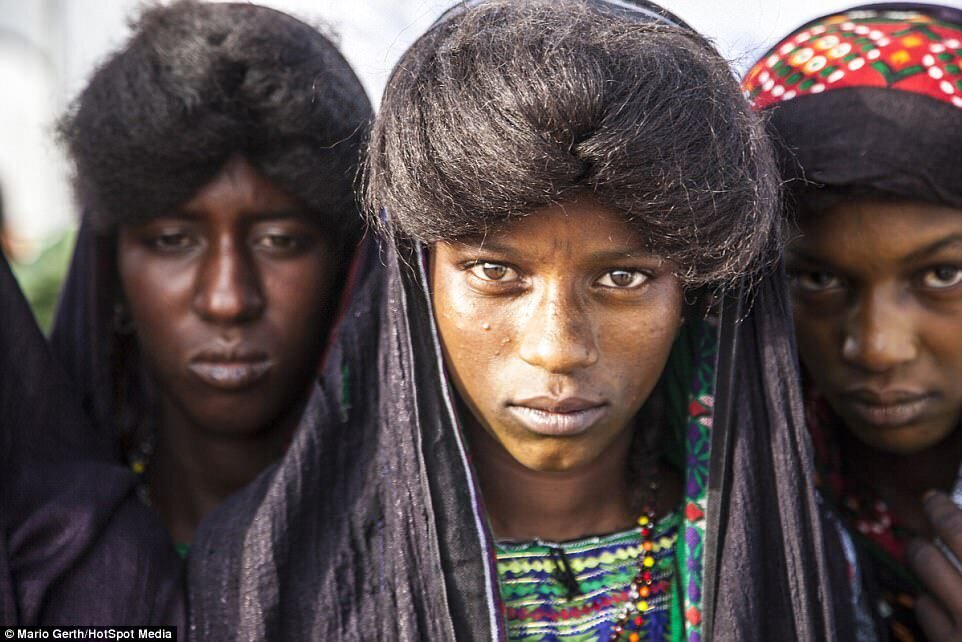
[(122, 322)]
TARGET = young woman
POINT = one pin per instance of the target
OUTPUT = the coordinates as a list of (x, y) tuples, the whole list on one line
[(215, 157), (868, 104), (550, 444)]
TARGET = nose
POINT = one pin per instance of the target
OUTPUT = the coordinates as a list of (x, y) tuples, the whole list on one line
[(559, 335), (879, 335), (228, 289)]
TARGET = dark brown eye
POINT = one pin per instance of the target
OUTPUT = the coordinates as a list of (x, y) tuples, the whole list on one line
[(494, 271), (170, 241), (489, 271), (816, 281), (623, 279), (942, 277), (278, 241)]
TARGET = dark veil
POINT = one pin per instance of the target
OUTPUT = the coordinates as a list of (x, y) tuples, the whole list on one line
[(81, 335), (372, 526), (77, 545)]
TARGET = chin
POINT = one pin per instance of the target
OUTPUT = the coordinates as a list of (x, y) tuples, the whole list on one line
[(552, 460), (906, 440), (234, 422)]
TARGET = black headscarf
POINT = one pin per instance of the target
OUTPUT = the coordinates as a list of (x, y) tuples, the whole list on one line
[(886, 116), (372, 526), (77, 546)]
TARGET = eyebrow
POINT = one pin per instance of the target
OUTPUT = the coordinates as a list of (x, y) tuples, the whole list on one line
[(936, 246), (953, 240), (622, 253), (795, 254), (265, 215)]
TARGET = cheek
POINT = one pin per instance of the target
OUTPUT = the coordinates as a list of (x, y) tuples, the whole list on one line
[(157, 295), (819, 335), (635, 347), (477, 336), (299, 305), (939, 337)]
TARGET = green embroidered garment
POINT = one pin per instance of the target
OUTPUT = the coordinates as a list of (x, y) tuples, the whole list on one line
[(576, 591)]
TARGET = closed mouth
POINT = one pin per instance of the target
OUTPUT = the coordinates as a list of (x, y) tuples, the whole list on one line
[(230, 375), (890, 409), (558, 423)]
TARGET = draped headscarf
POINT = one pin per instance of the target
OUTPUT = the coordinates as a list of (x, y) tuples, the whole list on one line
[(76, 545), (373, 526), (870, 98), (867, 100)]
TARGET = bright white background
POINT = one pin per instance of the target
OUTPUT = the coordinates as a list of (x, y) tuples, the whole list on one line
[(48, 48)]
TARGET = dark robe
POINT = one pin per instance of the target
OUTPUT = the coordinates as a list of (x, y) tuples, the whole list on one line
[(77, 546)]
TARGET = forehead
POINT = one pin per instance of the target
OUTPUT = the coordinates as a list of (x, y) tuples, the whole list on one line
[(581, 226), (240, 187), (876, 232)]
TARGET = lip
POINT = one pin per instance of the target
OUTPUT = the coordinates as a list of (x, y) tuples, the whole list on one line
[(230, 369), (887, 408), (558, 417)]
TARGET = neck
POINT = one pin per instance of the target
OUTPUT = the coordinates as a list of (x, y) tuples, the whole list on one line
[(902, 479), (192, 470), (524, 504)]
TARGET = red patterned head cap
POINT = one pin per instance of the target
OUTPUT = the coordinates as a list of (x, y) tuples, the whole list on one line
[(869, 98), (908, 50)]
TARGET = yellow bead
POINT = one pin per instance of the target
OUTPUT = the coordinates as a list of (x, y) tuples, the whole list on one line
[(643, 520), (642, 606), (138, 467), (649, 561)]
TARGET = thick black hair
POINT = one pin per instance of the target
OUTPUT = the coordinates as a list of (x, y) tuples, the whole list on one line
[(508, 106), (199, 83)]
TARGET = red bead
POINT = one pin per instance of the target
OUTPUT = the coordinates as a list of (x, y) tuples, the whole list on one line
[(639, 621), (645, 531), (646, 576)]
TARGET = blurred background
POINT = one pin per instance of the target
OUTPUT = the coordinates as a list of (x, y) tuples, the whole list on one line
[(48, 49)]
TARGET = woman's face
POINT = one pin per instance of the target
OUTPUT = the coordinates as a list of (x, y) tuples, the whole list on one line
[(229, 295), (555, 329), (877, 288)]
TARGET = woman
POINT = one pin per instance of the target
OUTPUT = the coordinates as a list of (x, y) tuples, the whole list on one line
[(76, 546), (215, 156), (868, 104), (559, 212)]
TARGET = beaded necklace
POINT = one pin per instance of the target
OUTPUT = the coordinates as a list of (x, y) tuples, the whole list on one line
[(643, 588)]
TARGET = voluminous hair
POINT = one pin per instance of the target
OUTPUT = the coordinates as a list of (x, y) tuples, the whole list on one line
[(199, 83), (510, 106)]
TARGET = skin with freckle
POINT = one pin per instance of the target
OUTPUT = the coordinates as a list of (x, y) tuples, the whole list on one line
[(877, 288), (572, 313)]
